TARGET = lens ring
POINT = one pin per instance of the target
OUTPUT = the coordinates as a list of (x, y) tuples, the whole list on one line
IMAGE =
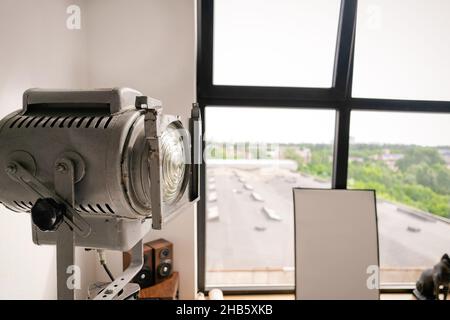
[(173, 163)]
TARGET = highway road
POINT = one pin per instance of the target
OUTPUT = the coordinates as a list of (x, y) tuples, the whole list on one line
[(241, 235)]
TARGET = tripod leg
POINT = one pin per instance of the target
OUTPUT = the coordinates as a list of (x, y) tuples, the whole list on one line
[(65, 263)]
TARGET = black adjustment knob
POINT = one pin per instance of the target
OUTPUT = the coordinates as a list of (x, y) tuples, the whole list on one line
[(47, 214)]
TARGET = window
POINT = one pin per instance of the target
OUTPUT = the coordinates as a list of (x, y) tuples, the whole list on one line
[(284, 43), (252, 166), (363, 75), (408, 163), (402, 50)]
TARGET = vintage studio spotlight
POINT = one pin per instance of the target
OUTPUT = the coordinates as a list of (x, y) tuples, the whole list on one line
[(97, 169)]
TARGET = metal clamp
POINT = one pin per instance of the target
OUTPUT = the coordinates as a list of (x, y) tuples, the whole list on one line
[(73, 219), (65, 242)]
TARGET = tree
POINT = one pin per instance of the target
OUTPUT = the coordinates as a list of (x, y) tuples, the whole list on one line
[(418, 155)]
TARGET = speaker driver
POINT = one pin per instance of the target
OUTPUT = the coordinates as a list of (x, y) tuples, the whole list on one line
[(164, 269)]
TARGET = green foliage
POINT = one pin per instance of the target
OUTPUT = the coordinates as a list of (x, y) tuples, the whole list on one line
[(421, 180), (420, 155), (321, 159)]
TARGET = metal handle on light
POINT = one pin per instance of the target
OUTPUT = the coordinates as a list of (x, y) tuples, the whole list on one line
[(195, 128)]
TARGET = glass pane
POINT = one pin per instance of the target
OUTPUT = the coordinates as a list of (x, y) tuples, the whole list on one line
[(406, 158), (285, 43), (255, 156), (402, 50)]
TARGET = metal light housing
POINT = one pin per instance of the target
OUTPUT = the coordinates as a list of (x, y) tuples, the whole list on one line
[(132, 164)]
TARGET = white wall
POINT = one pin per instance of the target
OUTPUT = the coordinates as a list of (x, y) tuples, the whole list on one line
[(145, 44), (37, 50), (148, 45)]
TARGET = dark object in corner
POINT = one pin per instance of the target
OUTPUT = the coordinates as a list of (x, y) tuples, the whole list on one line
[(430, 281)]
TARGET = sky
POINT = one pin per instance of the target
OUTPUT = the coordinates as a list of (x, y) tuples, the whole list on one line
[(399, 54), (275, 42), (281, 125), (271, 125)]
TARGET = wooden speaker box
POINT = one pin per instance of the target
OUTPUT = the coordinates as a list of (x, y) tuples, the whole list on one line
[(162, 259)]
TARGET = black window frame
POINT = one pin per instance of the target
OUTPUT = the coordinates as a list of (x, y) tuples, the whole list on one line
[(338, 97)]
